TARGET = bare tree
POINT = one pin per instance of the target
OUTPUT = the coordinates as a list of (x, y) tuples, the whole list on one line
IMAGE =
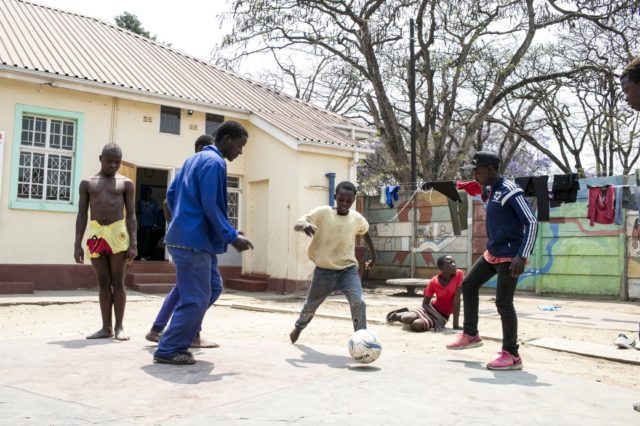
[(477, 60)]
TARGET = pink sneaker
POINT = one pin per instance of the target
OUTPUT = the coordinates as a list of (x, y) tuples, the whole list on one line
[(465, 341), (505, 361)]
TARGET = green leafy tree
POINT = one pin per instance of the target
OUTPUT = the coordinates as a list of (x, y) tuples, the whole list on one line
[(130, 22)]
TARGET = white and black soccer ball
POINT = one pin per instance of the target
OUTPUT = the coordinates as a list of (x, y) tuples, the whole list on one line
[(364, 346)]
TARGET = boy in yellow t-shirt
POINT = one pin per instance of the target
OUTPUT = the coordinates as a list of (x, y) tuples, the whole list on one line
[(332, 249)]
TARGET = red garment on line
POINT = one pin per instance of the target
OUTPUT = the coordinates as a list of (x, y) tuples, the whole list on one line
[(601, 208), (471, 187)]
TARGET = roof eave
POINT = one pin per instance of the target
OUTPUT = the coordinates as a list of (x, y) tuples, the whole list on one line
[(104, 89)]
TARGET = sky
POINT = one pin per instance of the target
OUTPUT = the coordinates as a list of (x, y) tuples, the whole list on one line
[(191, 26)]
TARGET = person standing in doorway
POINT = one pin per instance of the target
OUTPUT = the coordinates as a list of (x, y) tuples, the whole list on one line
[(147, 211)]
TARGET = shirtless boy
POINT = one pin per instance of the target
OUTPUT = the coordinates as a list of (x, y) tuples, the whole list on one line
[(112, 236)]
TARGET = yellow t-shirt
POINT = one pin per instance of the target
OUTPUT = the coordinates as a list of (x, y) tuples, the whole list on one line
[(334, 244)]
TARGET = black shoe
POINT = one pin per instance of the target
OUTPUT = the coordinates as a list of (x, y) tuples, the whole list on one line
[(177, 359)]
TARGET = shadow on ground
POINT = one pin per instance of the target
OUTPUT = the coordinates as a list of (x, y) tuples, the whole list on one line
[(200, 372), (311, 356), (519, 377), (84, 343)]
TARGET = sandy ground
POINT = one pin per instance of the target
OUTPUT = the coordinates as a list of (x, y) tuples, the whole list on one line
[(74, 320)]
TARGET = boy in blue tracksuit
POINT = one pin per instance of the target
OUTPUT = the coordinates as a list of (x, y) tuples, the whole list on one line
[(511, 231), (198, 231)]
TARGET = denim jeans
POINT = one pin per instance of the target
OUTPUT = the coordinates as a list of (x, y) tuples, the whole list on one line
[(480, 273), (327, 280), (172, 299), (194, 275)]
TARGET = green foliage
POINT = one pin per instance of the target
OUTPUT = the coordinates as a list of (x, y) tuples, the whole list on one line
[(130, 22)]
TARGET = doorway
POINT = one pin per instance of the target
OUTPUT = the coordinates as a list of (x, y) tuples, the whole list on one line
[(151, 191)]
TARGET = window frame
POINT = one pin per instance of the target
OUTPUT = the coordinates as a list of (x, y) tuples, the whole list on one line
[(237, 191), (165, 109), (76, 154)]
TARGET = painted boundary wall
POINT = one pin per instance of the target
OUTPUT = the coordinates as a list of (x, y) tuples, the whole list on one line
[(570, 257)]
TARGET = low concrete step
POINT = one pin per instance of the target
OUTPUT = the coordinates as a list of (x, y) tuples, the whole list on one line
[(152, 288), (16, 287), (246, 284), (143, 278), (151, 267)]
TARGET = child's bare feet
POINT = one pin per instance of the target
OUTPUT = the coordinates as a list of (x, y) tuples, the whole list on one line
[(120, 334), (199, 342), (101, 334), (295, 333)]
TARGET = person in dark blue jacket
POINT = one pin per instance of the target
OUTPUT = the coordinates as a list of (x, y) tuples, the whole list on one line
[(199, 230), (511, 231)]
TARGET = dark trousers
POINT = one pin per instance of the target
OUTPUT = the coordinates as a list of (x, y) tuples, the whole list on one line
[(458, 212), (144, 241), (480, 273)]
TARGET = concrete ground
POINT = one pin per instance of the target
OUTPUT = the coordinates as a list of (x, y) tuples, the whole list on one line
[(50, 374)]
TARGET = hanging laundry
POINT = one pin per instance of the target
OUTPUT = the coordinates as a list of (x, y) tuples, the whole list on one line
[(629, 200), (458, 212), (447, 188), (564, 189), (383, 194), (619, 214), (538, 187), (601, 208), (471, 187), (391, 194)]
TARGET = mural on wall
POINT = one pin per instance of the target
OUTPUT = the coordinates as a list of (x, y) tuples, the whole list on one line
[(570, 256)]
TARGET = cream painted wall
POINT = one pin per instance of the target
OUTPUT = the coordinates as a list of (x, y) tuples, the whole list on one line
[(35, 236), (267, 159), (144, 145)]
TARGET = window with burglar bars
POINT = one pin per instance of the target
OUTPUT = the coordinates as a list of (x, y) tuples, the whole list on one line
[(233, 200), (47, 149)]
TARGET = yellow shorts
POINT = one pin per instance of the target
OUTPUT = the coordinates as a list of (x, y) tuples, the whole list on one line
[(107, 239)]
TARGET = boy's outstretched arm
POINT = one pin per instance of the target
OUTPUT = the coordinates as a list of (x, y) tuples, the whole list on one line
[(81, 221), (456, 309), (369, 264), (308, 228)]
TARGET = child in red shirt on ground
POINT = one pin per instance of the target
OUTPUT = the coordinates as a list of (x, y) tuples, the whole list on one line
[(435, 314)]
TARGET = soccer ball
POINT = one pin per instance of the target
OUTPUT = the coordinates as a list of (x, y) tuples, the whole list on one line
[(364, 346)]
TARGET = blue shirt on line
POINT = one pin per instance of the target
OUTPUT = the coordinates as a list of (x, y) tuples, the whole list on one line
[(197, 198)]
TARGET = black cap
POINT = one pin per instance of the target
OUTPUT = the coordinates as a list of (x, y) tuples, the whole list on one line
[(483, 158)]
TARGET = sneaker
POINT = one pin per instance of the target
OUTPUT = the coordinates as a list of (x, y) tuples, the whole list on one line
[(506, 361), (153, 336), (177, 359), (465, 341), (623, 342)]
